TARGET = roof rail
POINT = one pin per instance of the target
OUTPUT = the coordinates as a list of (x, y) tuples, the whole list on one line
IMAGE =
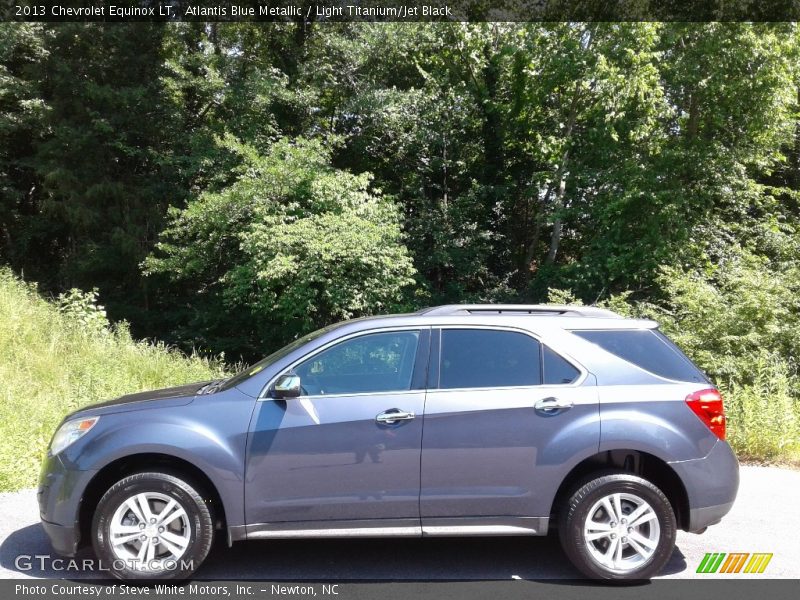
[(519, 309)]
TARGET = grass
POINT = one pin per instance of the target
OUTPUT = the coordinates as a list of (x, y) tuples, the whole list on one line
[(58, 356), (763, 417)]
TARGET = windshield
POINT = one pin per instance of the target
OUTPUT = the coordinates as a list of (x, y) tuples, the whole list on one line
[(272, 358)]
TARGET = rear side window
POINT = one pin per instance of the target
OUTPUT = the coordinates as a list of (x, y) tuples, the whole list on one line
[(477, 358), (648, 349)]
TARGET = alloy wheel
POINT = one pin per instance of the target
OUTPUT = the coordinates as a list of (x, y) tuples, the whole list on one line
[(149, 530), (621, 532)]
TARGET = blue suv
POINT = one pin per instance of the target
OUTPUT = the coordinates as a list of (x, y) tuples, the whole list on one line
[(453, 421)]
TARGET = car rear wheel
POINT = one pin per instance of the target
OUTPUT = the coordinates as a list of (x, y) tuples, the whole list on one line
[(152, 526), (619, 527)]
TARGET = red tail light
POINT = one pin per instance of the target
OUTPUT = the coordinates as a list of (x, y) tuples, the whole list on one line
[(707, 404)]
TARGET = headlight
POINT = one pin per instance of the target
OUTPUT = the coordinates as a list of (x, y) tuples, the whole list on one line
[(70, 432)]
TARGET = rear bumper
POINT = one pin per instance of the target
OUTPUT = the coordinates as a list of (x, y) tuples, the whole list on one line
[(711, 485), (700, 518)]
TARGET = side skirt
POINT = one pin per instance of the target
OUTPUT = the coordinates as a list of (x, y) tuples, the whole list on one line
[(471, 526), (335, 529), (377, 528)]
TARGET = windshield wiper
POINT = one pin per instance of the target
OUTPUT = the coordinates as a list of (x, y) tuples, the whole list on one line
[(211, 387)]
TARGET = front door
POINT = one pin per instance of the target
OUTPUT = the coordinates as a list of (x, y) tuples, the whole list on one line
[(347, 449), (503, 414)]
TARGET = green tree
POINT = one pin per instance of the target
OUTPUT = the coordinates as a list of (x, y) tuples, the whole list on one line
[(105, 164), (671, 197), (293, 245), (22, 109)]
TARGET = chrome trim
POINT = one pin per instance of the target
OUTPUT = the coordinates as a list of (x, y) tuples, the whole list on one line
[(335, 529), (584, 373), (394, 415), (477, 526), (377, 532), (552, 404), (433, 527), (373, 394)]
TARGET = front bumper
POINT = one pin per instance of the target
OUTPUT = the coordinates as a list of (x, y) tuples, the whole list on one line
[(60, 491), (711, 484), (64, 539)]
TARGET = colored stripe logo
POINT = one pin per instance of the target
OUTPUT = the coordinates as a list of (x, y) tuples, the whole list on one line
[(735, 562)]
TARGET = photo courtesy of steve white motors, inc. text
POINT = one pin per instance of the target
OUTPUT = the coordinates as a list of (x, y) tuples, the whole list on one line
[(192, 590)]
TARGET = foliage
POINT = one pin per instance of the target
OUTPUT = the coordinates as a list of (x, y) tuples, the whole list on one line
[(763, 416), (22, 51), (83, 311), (51, 363), (521, 156), (293, 245), (740, 323), (731, 317)]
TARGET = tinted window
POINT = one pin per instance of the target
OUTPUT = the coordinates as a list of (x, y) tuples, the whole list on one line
[(648, 349), (486, 358), (274, 357), (556, 369), (377, 362)]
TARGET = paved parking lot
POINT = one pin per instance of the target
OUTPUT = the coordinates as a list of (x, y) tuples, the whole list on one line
[(765, 518)]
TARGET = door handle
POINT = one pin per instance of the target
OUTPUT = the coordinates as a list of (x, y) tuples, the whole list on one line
[(394, 415), (552, 404)]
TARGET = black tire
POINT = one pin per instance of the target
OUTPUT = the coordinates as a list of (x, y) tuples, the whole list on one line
[(198, 521), (573, 518)]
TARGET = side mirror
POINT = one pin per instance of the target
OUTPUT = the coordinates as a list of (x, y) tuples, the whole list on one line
[(287, 386)]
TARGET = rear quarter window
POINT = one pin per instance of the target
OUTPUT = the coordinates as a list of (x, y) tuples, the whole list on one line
[(648, 349), (556, 370)]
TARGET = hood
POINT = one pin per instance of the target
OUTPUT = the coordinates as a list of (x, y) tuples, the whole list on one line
[(173, 396)]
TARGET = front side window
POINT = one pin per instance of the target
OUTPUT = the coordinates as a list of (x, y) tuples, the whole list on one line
[(478, 358), (273, 358), (376, 362)]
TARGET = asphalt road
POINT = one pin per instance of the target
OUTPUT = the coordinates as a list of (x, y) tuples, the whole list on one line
[(765, 518)]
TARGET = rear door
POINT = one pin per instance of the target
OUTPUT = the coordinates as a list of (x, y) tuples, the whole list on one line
[(502, 414)]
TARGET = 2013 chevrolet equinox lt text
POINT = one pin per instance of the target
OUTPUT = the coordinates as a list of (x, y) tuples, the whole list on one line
[(453, 421)]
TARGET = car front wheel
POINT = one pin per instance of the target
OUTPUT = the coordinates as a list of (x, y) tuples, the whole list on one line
[(152, 526), (619, 527)]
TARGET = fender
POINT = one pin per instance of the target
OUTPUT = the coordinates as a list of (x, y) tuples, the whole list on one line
[(210, 433), (666, 429)]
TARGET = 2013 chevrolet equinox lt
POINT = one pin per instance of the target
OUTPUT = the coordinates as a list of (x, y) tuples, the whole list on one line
[(452, 421)]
